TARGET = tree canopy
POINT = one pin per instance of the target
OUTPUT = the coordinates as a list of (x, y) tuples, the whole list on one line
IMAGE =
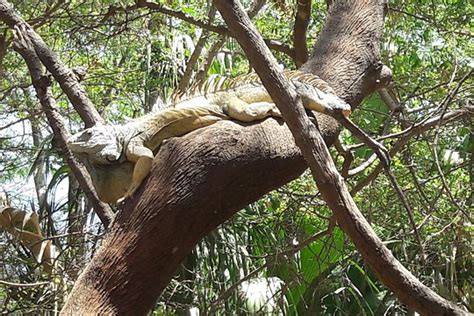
[(282, 254)]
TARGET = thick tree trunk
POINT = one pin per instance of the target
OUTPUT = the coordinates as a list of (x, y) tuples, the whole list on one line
[(196, 185), (201, 179)]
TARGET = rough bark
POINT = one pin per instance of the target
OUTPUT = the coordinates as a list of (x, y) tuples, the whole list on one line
[(347, 53), (303, 15), (331, 185), (196, 184)]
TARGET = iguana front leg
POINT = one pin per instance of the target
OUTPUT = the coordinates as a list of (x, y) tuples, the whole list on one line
[(319, 101), (245, 112), (142, 157)]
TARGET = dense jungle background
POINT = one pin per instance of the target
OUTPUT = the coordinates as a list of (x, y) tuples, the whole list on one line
[(279, 255)]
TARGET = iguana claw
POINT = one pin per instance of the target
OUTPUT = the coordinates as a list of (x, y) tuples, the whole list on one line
[(124, 154)]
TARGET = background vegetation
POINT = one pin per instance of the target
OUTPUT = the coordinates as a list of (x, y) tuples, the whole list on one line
[(279, 255)]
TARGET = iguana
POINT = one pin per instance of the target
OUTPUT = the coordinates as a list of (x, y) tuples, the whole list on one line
[(110, 151)]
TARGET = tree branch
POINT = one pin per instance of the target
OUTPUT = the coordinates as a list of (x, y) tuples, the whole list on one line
[(410, 132), (186, 78), (407, 288), (64, 76), (161, 225), (303, 15), (42, 86), (272, 44)]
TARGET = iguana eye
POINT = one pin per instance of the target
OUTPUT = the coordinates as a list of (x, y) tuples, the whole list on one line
[(110, 158)]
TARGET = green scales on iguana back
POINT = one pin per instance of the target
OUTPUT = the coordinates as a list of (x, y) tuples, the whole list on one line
[(119, 157)]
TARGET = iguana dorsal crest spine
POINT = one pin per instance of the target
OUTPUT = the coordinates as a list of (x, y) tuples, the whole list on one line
[(219, 83)]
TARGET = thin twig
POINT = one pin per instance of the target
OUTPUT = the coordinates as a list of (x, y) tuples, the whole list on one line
[(427, 20), (444, 105), (408, 133), (13, 284), (408, 208)]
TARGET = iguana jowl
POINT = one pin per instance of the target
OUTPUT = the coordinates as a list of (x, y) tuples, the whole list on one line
[(111, 151)]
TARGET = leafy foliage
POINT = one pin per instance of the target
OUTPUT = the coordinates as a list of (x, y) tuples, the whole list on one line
[(135, 58)]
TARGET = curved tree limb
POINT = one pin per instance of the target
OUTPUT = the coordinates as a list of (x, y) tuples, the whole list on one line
[(331, 185), (196, 184), (303, 15), (42, 87), (64, 76)]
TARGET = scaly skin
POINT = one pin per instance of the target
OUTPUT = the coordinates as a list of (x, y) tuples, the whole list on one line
[(110, 149)]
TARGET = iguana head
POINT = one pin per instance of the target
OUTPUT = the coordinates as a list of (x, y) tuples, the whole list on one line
[(101, 143), (321, 101)]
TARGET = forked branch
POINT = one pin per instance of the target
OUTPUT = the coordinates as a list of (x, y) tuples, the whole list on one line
[(331, 185)]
